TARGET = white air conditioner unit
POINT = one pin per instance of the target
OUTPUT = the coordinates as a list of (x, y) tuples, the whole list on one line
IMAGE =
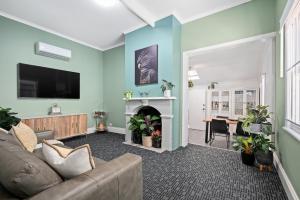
[(49, 50)]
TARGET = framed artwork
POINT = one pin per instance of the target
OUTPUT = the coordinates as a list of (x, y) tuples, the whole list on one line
[(146, 69)]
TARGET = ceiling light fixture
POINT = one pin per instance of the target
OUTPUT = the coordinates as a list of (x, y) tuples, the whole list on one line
[(192, 78), (106, 3), (192, 73)]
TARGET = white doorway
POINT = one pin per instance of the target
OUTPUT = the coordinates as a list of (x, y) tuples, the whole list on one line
[(197, 105)]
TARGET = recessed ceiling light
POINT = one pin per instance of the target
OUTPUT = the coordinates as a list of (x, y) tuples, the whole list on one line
[(106, 3)]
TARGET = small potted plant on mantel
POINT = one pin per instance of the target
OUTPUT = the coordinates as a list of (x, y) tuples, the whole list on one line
[(128, 94), (166, 88), (147, 128)]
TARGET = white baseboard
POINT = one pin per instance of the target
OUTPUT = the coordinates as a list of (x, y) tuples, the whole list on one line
[(116, 130), (288, 187)]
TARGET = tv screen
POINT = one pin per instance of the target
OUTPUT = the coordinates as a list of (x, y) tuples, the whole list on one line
[(41, 82)]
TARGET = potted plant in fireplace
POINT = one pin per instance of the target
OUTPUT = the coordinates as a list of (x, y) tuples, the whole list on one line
[(135, 123), (257, 119), (147, 127), (245, 144), (166, 88), (156, 139)]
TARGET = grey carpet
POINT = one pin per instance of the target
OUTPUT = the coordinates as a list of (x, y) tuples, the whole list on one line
[(190, 173)]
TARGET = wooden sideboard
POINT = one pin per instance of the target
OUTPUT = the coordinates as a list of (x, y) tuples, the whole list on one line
[(63, 126)]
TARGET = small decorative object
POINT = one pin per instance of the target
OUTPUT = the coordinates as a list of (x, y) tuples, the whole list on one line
[(55, 110), (128, 94), (212, 85), (144, 94), (191, 84), (146, 65), (166, 88), (156, 139), (255, 118), (246, 146), (100, 119), (8, 119)]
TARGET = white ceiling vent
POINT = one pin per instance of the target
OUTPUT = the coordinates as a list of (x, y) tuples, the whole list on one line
[(49, 50)]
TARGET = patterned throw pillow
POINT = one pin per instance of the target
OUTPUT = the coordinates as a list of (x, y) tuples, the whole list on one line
[(68, 162), (25, 136)]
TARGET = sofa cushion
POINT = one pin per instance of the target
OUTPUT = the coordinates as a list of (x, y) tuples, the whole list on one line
[(9, 138), (22, 173), (25, 135), (69, 162)]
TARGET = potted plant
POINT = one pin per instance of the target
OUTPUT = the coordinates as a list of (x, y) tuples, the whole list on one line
[(263, 147), (134, 125), (8, 119), (128, 94), (156, 139), (166, 88), (147, 127), (256, 118), (245, 144)]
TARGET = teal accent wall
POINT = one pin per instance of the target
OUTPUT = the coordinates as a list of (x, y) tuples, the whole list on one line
[(288, 148), (114, 87), (17, 45), (167, 35), (247, 20)]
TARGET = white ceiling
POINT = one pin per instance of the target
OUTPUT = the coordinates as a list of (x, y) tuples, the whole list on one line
[(241, 62), (86, 22)]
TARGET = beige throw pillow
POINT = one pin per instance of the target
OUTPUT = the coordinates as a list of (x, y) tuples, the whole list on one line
[(25, 136), (68, 162)]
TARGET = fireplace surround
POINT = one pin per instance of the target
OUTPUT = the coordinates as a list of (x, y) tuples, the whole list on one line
[(164, 106)]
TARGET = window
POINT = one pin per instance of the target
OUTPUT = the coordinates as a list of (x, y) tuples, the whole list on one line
[(292, 69)]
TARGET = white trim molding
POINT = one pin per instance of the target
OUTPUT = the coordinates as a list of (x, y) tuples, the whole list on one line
[(288, 7), (287, 185), (116, 130), (292, 133)]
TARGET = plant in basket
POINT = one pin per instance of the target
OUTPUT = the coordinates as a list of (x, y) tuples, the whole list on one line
[(147, 127)]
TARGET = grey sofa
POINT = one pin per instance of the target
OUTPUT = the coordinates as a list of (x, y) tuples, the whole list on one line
[(118, 179)]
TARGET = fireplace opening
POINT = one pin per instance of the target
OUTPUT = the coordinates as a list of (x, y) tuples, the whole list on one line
[(148, 110)]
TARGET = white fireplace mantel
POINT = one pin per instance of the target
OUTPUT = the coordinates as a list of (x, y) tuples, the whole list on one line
[(164, 105)]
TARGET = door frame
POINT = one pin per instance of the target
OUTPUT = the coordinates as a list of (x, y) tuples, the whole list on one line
[(185, 68)]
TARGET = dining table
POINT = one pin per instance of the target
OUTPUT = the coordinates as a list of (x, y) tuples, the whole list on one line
[(208, 128)]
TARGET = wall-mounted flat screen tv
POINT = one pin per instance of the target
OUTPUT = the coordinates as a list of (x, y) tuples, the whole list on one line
[(41, 82)]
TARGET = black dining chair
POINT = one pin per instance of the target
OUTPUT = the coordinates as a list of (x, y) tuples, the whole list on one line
[(240, 131), (220, 128)]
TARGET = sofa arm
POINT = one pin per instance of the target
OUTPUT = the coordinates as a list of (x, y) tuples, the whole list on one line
[(44, 135), (119, 179)]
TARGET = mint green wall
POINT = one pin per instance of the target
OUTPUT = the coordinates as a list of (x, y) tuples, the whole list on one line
[(249, 19), (114, 79), (17, 45), (166, 34), (288, 147)]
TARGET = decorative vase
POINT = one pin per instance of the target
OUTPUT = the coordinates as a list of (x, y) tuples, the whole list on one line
[(167, 93), (147, 141), (255, 128), (156, 143), (264, 158), (248, 159), (136, 138)]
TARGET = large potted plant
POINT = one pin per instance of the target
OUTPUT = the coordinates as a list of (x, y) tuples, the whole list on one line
[(245, 145), (8, 119), (135, 123), (166, 88), (147, 127), (263, 147), (256, 119)]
